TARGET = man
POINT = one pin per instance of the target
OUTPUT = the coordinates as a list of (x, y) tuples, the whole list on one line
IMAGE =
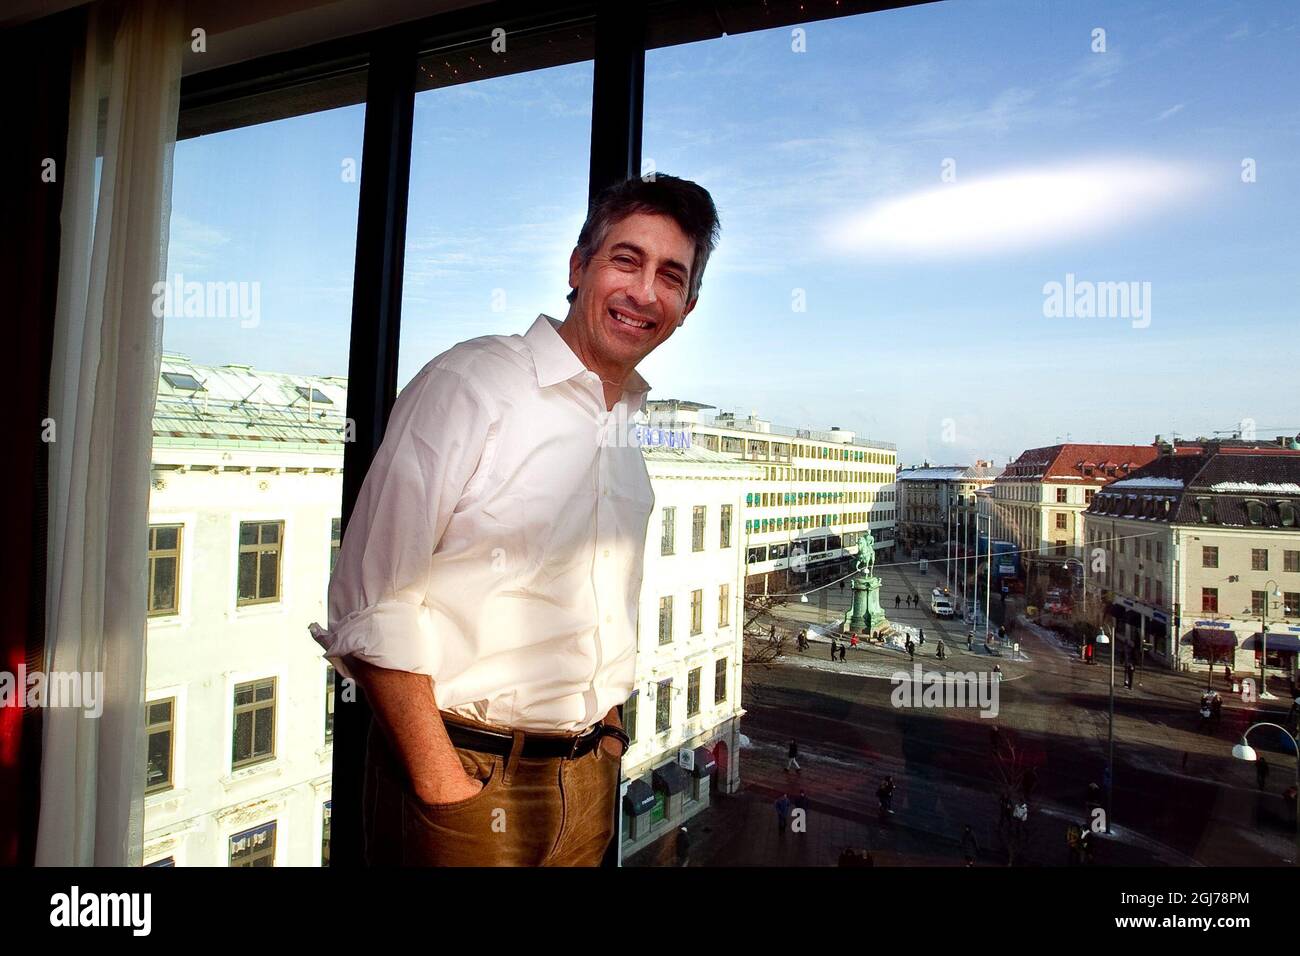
[(486, 593), (792, 758)]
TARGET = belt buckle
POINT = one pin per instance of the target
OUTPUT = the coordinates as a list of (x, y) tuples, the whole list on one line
[(595, 729)]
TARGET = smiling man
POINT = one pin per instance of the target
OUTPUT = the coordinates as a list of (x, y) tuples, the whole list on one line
[(485, 596)]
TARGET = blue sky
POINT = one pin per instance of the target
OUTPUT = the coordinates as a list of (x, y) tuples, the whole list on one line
[(924, 321)]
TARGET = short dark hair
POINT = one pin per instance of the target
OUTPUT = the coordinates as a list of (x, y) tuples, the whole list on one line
[(688, 203)]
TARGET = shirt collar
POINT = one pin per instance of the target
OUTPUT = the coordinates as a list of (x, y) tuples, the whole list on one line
[(555, 362)]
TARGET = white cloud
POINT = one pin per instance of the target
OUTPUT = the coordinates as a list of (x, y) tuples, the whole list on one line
[(1176, 108), (1018, 209)]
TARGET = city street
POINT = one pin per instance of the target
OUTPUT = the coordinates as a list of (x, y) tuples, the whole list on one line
[(1179, 796)]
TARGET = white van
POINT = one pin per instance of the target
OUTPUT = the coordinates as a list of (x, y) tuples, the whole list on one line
[(940, 604)]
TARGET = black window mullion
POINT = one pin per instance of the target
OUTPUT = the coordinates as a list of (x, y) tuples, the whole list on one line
[(372, 365)]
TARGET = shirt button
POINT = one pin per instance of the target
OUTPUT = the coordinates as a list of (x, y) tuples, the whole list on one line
[(609, 618), (607, 552)]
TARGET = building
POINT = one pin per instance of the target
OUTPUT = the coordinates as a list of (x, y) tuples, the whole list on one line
[(1198, 549), (684, 715), (244, 532), (1038, 501), (816, 491), (243, 527), (936, 500)]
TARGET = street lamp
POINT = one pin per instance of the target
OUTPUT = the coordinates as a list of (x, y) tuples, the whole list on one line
[(1244, 751), (1263, 636), (1110, 759), (1084, 569)]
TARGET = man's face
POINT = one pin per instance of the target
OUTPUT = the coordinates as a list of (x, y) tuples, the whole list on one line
[(632, 294)]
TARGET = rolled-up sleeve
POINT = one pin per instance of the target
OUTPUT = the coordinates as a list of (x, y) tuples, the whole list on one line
[(433, 445)]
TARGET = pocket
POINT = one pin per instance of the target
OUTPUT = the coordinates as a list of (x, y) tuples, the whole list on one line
[(488, 769)]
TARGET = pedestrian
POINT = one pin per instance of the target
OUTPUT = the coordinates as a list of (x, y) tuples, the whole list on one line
[(1027, 782), (833, 649), (911, 650), (898, 599), (683, 846), (1128, 675), (844, 650), (801, 803), (1261, 772), (1227, 676), (841, 584), (853, 640), (970, 639), (782, 813), (771, 635), (885, 794), (997, 672), (969, 848), (1073, 832), (939, 651), (792, 760), (920, 634)]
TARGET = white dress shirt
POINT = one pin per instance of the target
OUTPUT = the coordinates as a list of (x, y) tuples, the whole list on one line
[(498, 539)]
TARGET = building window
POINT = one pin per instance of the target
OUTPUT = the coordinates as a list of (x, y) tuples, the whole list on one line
[(1160, 552), (164, 568), (724, 605), (697, 611), (720, 680), (336, 541), (1209, 557), (1210, 600), (325, 833), (669, 531), (629, 716), (1160, 593), (1259, 559), (329, 702), (666, 620), (254, 735), (1060, 548), (697, 528), (161, 730), (1291, 604), (1258, 602), (1291, 560), (1060, 522), (259, 561), (693, 692), (1146, 589), (255, 847), (724, 537), (1062, 495), (1088, 495), (663, 705)]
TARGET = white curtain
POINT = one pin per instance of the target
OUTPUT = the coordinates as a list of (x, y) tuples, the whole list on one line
[(107, 347)]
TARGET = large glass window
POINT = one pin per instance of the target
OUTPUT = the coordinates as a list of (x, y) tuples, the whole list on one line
[(249, 428)]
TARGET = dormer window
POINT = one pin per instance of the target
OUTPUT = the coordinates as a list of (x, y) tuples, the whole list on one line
[(1255, 512), (1206, 508), (1286, 512)]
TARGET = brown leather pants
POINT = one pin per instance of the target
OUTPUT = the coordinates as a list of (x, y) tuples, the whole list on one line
[(530, 812)]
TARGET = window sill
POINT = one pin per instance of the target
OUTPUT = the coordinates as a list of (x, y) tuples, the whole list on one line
[(267, 768), (166, 800)]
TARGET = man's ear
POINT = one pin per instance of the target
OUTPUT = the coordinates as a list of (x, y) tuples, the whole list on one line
[(575, 268), (687, 311)]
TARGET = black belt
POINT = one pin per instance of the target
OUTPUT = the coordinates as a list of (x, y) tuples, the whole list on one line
[(535, 745)]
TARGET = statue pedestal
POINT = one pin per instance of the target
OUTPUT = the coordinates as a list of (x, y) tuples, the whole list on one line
[(866, 614)]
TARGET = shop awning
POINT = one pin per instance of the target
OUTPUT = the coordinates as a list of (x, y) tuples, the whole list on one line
[(640, 797), (704, 762), (1276, 642), (1212, 637), (669, 777)]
